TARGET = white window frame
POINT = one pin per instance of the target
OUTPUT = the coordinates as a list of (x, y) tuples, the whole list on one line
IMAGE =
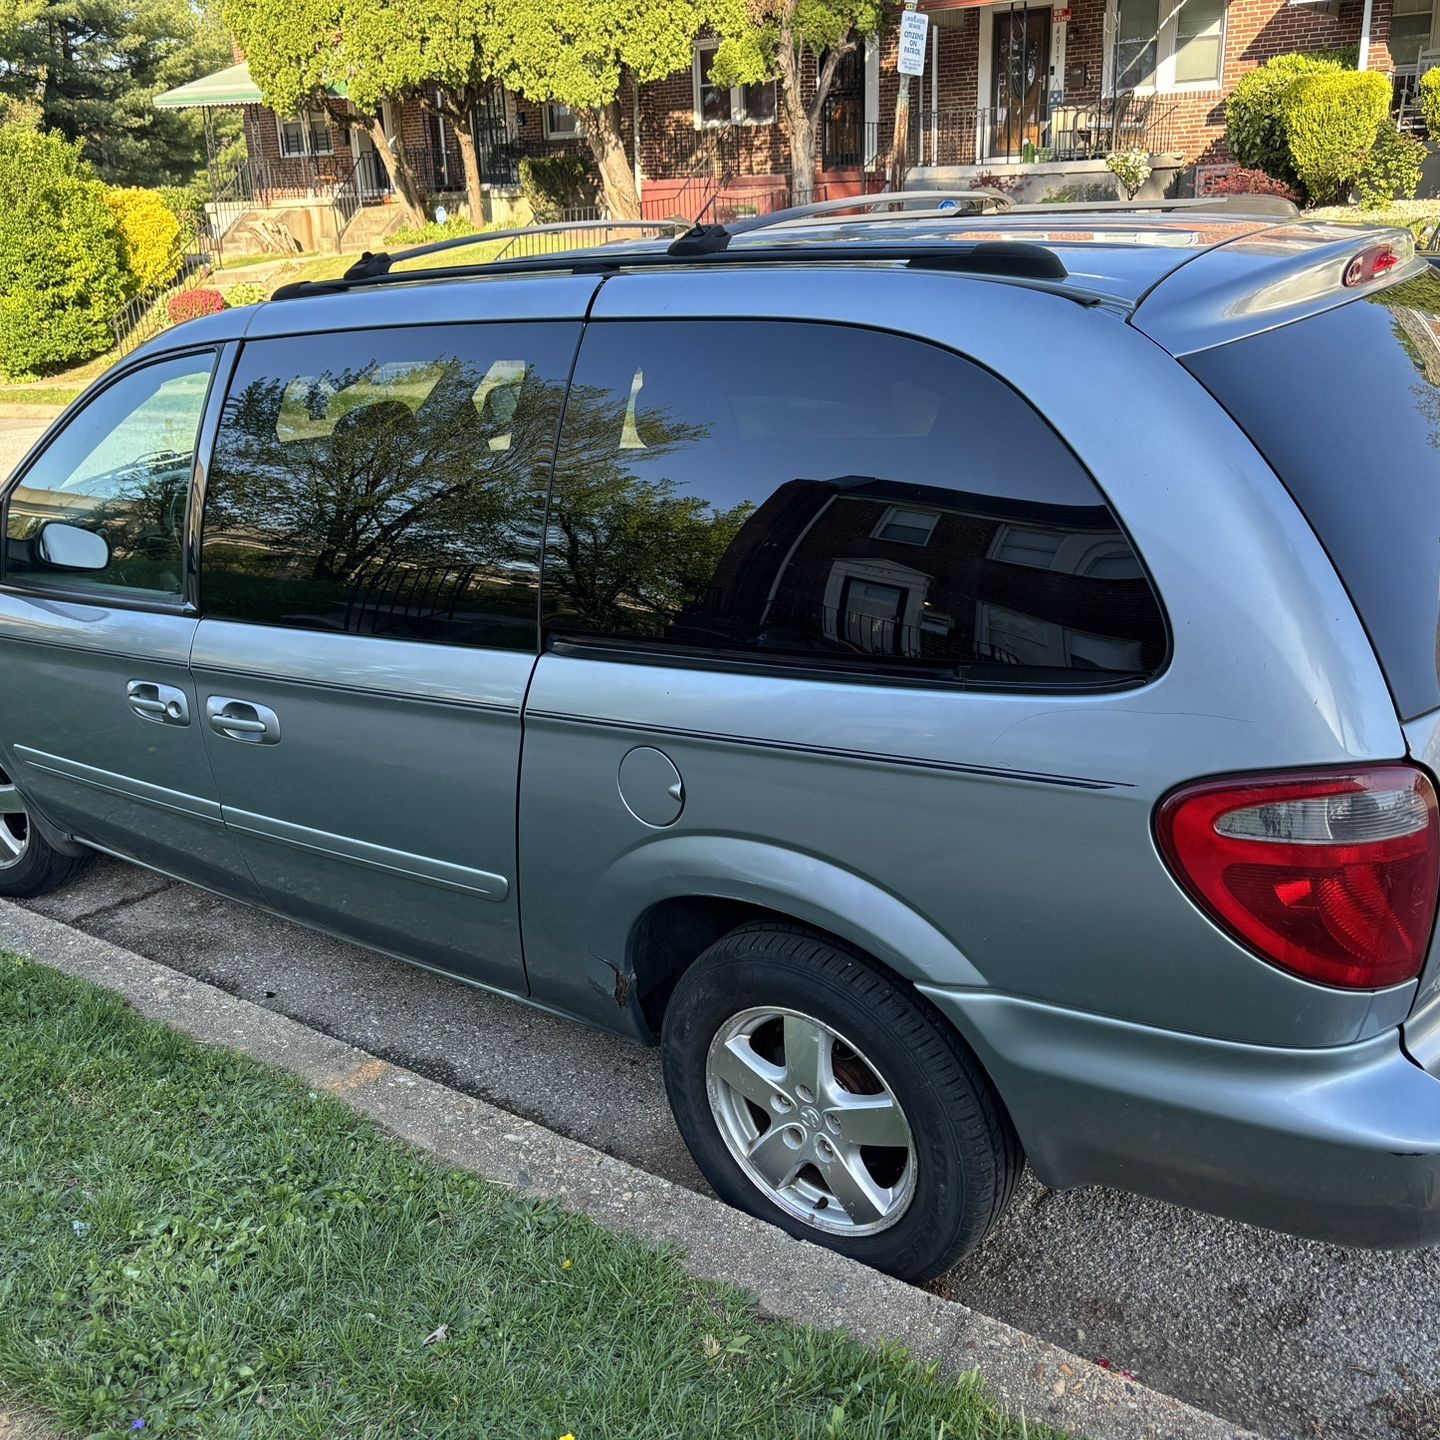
[(554, 132), (306, 120), (738, 115), (892, 512), (1165, 38)]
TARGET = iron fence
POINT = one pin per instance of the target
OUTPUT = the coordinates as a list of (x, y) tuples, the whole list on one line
[(145, 315)]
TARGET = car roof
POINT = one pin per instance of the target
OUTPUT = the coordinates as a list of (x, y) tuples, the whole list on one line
[(1189, 276)]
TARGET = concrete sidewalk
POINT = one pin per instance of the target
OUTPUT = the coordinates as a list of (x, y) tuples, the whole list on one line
[(790, 1278)]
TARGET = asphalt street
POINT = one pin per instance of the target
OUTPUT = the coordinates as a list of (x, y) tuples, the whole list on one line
[(1292, 1338)]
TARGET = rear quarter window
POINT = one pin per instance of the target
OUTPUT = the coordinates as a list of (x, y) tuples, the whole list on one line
[(1346, 408)]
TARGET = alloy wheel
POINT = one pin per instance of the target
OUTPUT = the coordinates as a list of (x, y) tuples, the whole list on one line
[(811, 1121), (14, 824)]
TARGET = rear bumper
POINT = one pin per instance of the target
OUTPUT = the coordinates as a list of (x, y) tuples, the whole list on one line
[(1341, 1145)]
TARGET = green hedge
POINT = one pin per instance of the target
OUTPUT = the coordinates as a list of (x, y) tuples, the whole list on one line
[(1392, 171), (1332, 121), (62, 259), (555, 183), (1255, 113)]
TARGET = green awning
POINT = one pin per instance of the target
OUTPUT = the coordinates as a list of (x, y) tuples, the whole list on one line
[(231, 86)]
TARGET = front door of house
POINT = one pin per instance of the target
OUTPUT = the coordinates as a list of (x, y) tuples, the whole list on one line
[(843, 119), (374, 177), (1019, 81), (494, 149)]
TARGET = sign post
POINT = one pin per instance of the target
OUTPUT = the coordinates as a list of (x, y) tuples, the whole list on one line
[(913, 30)]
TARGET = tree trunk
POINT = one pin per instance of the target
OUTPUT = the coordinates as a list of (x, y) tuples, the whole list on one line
[(402, 177), (470, 164), (798, 122), (602, 130), (900, 140)]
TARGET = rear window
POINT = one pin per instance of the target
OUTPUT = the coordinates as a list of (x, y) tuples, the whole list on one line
[(1346, 407)]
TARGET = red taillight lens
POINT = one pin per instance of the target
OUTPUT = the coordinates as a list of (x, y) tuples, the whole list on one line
[(1332, 874)]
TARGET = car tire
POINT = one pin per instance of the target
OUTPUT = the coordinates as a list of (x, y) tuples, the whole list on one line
[(786, 1052), (29, 864)]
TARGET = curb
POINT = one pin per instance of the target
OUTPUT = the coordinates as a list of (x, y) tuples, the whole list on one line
[(790, 1279)]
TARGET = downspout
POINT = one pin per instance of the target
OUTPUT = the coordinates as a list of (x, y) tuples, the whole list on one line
[(635, 128), (1363, 59)]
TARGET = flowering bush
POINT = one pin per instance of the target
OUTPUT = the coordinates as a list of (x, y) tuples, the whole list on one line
[(1250, 182), (1131, 168), (190, 303), (151, 231)]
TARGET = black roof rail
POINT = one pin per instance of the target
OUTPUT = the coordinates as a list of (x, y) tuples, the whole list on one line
[(370, 265), (1016, 260), (707, 239)]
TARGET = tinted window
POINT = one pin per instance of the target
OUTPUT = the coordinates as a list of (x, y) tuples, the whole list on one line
[(120, 470), (1346, 407), (837, 496), (387, 482)]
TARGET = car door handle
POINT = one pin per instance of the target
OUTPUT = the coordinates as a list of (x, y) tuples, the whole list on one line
[(164, 704), (242, 720)]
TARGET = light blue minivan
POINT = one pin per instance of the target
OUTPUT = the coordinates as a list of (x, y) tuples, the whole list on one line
[(964, 684)]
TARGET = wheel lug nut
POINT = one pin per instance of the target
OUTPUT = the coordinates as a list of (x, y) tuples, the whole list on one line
[(806, 1094), (832, 1124), (793, 1136), (781, 1104)]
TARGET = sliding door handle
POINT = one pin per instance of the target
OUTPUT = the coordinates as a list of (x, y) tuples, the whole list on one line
[(242, 720)]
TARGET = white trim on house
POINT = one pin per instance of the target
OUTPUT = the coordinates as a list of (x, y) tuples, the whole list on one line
[(872, 100), (738, 114), (985, 66), (568, 129), (306, 120), (1165, 52)]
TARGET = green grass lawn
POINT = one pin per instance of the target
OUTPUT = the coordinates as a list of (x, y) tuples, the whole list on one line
[(192, 1240)]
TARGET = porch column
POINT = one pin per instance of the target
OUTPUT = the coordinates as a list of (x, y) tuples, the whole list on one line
[(1363, 59)]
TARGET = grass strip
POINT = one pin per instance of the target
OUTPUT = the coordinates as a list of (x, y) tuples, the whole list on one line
[(194, 1241)]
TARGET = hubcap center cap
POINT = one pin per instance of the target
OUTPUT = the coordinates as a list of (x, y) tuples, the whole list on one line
[(810, 1118)]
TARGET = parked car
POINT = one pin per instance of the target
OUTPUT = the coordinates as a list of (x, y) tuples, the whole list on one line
[(965, 686)]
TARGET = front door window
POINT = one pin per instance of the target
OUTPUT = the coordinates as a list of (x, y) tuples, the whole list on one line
[(1019, 81)]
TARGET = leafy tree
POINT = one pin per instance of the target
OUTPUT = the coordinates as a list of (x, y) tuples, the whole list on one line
[(425, 50), (62, 258), (582, 54), (761, 39), (95, 66), (298, 56)]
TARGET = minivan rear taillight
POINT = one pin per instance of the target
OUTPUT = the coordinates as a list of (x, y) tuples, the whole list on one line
[(1330, 873)]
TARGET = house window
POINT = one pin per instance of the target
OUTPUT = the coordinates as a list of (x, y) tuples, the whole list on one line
[(717, 104), (561, 123), (1410, 25), (1167, 44), (909, 527), (307, 134)]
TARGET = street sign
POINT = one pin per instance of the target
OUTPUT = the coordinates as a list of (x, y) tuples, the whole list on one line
[(914, 30)]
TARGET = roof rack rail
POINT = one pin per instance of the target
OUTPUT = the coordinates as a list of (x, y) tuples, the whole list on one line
[(1261, 206), (707, 239), (1015, 260), (370, 265)]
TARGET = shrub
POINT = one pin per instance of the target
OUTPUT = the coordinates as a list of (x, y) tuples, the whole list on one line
[(1430, 102), (555, 183), (450, 228), (151, 232), (1331, 121), (1251, 182), (1255, 113), (190, 303), (1392, 171), (1131, 168), (249, 292), (62, 259)]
